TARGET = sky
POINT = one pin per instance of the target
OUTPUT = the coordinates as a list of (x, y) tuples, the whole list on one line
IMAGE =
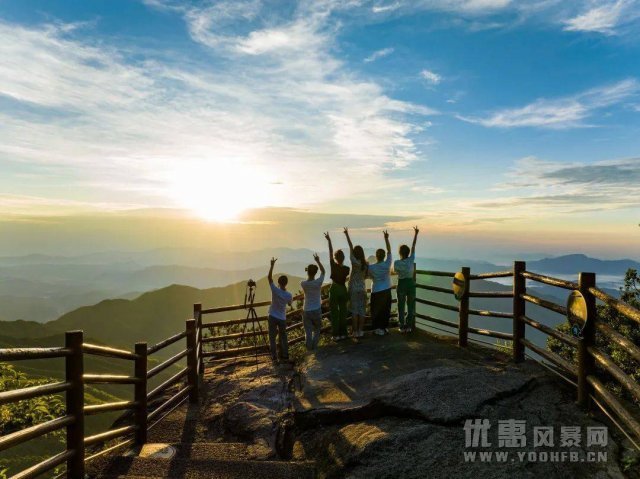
[(493, 124)]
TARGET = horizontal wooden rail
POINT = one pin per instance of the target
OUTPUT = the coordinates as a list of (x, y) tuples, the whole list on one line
[(233, 322), (620, 306), (23, 435), (109, 379), (33, 391), (489, 332), (234, 307), (426, 317), (437, 289), (108, 407), (496, 274), (44, 466), (167, 384), (544, 304), (175, 399), (19, 354), (490, 314), (552, 357), (559, 335), (165, 364), (601, 392), (109, 435), (629, 347), (435, 273), (108, 352), (167, 342), (230, 337), (491, 294), (228, 353), (436, 304), (540, 278), (293, 326), (612, 368)]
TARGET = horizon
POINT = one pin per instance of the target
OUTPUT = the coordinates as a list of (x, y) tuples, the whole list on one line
[(492, 125)]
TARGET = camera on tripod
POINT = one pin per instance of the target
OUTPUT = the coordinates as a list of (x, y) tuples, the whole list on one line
[(251, 284)]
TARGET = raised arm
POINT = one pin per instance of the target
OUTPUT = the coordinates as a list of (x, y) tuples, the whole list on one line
[(273, 262), (415, 240), (317, 258), (386, 241), (326, 235), (346, 233)]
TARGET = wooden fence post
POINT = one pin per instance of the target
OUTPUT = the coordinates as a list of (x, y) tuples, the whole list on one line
[(519, 288), (197, 315), (463, 310), (192, 360), (586, 364), (74, 371), (140, 393)]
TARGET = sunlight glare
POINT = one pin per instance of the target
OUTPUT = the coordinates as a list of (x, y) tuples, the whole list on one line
[(220, 191)]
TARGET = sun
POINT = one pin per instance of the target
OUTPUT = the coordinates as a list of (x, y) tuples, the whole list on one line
[(220, 191)]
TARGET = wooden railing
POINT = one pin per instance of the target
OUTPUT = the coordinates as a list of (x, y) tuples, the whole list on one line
[(254, 330), (585, 372), (142, 411)]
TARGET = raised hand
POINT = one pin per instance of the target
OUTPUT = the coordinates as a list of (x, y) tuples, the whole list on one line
[(346, 231), (416, 230), (326, 235), (386, 234), (273, 261), (316, 257)]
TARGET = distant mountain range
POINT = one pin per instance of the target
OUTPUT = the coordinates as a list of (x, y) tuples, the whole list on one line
[(41, 288)]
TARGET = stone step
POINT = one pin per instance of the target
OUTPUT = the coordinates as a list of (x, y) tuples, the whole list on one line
[(151, 468)]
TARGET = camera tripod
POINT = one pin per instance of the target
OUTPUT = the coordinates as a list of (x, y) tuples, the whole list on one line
[(252, 316)]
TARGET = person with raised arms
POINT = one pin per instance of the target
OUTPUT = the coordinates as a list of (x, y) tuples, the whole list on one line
[(357, 287), (380, 273), (338, 296), (312, 311), (406, 290), (280, 298)]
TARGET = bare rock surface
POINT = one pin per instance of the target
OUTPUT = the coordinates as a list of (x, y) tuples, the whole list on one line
[(395, 407)]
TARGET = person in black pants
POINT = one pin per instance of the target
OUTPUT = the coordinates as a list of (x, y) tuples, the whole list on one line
[(380, 273)]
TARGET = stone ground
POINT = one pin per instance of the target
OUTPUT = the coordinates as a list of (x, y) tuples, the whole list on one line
[(395, 406), (381, 407)]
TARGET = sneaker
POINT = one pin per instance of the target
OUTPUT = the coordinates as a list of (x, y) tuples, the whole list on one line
[(379, 332), (402, 330), (408, 330)]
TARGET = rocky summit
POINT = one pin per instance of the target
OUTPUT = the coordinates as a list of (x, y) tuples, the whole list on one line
[(382, 407)]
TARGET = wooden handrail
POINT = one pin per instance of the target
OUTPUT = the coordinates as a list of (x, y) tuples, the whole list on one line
[(46, 465), (435, 273), (15, 395), (545, 304), (489, 332), (167, 342), (108, 352), (630, 348), (491, 294), (559, 335), (437, 321), (553, 357), (109, 407), (551, 281), (19, 354), (435, 288), (491, 314), (167, 384), (603, 393), (109, 379), (436, 304), (620, 306), (496, 274), (612, 368), (108, 435), (23, 435), (234, 307), (165, 364), (233, 322), (180, 395)]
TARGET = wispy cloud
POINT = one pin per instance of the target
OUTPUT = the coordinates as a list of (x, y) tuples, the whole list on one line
[(378, 54), (559, 113), (603, 16), (274, 102), (552, 187), (431, 77)]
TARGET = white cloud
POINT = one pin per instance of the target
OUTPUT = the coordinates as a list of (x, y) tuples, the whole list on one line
[(602, 17), (378, 54), (274, 108), (431, 77), (566, 112)]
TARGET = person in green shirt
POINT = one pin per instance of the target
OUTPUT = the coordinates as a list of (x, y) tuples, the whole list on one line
[(338, 296), (406, 290)]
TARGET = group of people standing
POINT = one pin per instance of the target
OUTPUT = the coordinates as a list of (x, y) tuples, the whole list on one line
[(343, 299)]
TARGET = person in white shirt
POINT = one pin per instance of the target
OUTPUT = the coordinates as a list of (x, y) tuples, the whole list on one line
[(406, 290), (380, 273), (280, 298), (312, 312)]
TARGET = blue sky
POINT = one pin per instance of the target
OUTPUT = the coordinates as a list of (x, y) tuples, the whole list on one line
[(467, 115)]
